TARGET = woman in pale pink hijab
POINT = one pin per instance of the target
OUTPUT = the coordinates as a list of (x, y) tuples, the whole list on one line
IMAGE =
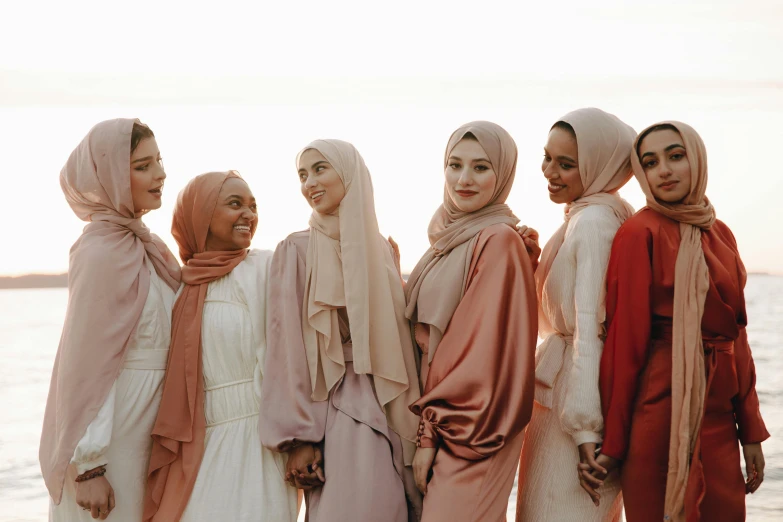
[(340, 364), (471, 299), (587, 159), (107, 376)]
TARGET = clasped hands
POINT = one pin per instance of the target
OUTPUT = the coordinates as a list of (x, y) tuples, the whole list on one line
[(305, 467)]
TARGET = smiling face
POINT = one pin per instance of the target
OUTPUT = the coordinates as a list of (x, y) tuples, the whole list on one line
[(561, 165), (235, 218), (146, 176), (665, 162), (470, 178), (320, 184)]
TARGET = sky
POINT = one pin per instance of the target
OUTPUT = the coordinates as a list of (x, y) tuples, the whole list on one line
[(235, 85)]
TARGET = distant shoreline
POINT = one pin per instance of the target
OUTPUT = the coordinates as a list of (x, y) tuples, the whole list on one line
[(32, 281)]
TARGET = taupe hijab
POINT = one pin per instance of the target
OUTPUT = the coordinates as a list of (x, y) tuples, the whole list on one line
[(349, 264), (437, 283), (691, 283), (604, 146)]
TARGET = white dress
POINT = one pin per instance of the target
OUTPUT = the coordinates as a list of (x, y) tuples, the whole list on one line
[(239, 480), (119, 436), (567, 409)]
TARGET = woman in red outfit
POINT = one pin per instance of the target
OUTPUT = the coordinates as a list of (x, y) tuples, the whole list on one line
[(677, 400)]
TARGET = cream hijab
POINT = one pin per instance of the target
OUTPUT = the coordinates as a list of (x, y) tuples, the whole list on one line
[(691, 283), (604, 146), (108, 284), (349, 264), (437, 283)]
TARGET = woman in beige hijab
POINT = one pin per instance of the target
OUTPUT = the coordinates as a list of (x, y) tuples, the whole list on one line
[(678, 382), (106, 382), (587, 159), (340, 365), (471, 299)]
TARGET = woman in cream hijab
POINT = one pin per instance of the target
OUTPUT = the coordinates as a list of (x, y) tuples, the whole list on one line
[(340, 365), (107, 377), (471, 299), (678, 383), (587, 159)]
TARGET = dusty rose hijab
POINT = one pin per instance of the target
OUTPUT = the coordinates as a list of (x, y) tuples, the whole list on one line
[(691, 283), (604, 146), (180, 428), (108, 283), (437, 283), (349, 264)]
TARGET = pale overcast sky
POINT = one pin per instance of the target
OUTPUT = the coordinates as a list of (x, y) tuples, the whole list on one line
[(230, 85)]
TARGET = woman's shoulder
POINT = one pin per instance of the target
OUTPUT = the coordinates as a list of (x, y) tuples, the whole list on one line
[(297, 240)]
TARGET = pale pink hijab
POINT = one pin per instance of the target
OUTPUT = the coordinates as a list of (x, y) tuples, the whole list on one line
[(691, 283), (349, 264), (108, 283), (604, 145), (437, 283)]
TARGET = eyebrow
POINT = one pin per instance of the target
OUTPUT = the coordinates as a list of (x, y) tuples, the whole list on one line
[(459, 159), (667, 149), (316, 164), (146, 158), (566, 158), (236, 196)]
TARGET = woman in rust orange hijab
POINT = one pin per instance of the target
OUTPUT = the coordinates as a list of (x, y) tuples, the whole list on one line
[(207, 462), (105, 387), (678, 384)]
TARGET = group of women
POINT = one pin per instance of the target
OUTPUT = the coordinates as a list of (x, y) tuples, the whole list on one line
[(227, 387)]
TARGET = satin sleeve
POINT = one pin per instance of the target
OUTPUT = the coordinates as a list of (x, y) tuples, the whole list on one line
[(747, 413), (287, 415), (94, 444), (479, 390), (629, 320), (581, 414)]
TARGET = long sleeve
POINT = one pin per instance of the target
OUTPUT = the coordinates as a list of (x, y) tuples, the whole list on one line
[(629, 319), (592, 233), (479, 390), (746, 404), (257, 305), (288, 415), (91, 450)]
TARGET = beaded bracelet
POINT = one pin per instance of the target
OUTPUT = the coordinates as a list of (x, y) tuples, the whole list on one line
[(97, 472)]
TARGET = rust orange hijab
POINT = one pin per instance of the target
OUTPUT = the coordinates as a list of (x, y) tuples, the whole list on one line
[(108, 284), (691, 283), (180, 429)]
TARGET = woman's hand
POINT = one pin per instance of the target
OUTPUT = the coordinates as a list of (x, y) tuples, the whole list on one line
[(396, 254), (594, 470), (304, 469), (422, 463), (754, 466), (96, 496), (530, 238)]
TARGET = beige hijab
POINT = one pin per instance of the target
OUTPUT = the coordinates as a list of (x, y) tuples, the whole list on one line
[(437, 283), (604, 145), (349, 264), (108, 283), (691, 283)]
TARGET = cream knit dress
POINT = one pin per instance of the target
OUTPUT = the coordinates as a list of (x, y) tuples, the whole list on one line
[(567, 410)]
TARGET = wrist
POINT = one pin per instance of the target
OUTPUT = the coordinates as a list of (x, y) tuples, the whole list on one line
[(91, 474)]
